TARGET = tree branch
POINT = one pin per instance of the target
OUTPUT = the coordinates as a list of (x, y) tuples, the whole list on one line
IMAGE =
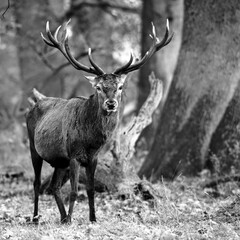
[(144, 117), (6, 9), (104, 5)]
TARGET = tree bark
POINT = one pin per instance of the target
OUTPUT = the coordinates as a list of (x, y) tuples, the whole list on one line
[(224, 150), (12, 147), (144, 72), (10, 81), (163, 64), (204, 82), (31, 18)]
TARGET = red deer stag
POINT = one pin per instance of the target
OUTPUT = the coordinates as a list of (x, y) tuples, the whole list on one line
[(70, 133)]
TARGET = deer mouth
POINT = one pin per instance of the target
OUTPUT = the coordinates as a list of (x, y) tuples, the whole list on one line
[(112, 109)]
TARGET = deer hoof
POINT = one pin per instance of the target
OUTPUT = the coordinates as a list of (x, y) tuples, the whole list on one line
[(35, 220), (93, 220), (66, 220)]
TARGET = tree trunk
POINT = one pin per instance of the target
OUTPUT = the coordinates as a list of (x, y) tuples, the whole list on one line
[(144, 72), (224, 151), (31, 18), (206, 77), (10, 81), (163, 64), (12, 148)]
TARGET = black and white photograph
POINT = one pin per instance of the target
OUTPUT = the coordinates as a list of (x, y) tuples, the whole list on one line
[(119, 120)]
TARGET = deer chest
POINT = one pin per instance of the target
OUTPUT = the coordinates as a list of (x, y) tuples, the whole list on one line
[(98, 140)]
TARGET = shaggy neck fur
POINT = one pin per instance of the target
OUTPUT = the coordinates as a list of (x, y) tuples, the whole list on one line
[(101, 120)]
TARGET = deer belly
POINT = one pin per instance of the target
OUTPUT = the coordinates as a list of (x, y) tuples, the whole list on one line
[(49, 145)]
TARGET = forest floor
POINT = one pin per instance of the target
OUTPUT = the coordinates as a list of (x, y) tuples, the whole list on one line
[(182, 210)]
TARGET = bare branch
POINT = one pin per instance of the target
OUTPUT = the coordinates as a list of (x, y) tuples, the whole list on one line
[(8, 6), (104, 5), (143, 119)]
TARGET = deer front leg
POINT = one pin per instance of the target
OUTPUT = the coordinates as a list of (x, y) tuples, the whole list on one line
[(74, 177), (90, 171)]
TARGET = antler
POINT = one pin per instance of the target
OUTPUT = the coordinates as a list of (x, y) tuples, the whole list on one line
[(156, 46), (65, 50)]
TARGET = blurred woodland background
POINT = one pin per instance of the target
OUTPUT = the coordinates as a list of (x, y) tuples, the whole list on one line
[(197, 123)]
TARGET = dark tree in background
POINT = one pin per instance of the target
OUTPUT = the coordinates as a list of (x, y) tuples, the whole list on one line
[(163, 63), (31, 17), (12, 137), (10, 73), (224, 150), (204, 83)]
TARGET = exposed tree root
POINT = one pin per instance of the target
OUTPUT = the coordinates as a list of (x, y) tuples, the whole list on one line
[(215, 182)]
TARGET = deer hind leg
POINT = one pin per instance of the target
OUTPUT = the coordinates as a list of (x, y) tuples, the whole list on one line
[(37, 166), (55, 186), (74, 178), (90, 171)]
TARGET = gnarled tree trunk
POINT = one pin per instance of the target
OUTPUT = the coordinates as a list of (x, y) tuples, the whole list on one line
[(205, 80)]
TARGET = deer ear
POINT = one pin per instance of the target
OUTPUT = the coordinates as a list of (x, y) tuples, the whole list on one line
[(91, 80)]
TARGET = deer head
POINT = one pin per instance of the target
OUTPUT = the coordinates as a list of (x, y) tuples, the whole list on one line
[(109, 90), (108, 86)]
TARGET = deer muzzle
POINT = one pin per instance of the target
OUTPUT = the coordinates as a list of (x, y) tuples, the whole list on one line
[(110, 105)]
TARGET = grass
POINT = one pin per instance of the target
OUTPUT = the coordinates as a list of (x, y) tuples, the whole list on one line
[(183, 210)]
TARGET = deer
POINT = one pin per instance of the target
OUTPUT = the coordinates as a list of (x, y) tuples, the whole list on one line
[(69, 133)]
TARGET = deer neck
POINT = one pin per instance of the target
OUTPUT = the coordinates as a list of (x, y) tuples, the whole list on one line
[(105, 121)]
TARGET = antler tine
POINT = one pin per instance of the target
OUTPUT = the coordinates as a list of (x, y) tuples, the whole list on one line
[(76, 63), (166, 39), (65, 50), (56, 33), (44, 39), (126, 66), (156, 46), (93, 63)]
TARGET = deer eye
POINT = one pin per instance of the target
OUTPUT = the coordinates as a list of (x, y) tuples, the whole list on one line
[(98, 88), (120, 88)]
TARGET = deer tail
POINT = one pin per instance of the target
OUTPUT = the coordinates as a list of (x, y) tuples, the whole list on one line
[(37, 96)]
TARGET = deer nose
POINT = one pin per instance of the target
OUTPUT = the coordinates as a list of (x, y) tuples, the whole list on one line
[(111, 104)]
